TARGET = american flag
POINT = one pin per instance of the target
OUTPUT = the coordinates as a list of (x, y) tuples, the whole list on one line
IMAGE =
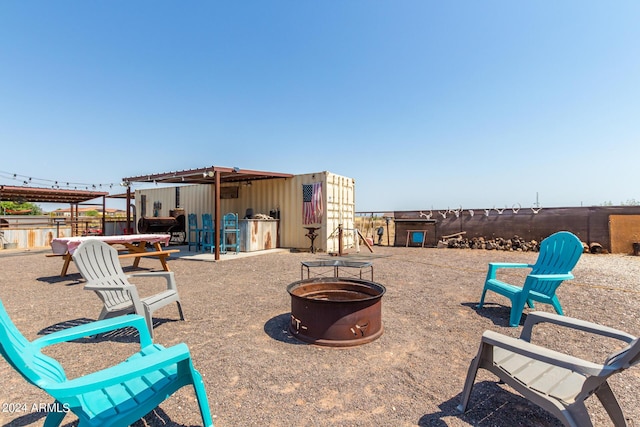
[(312, 203)]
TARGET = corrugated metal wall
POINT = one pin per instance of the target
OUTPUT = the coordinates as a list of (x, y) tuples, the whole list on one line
[(590, 224), (34, 237), (282, 195), (262, 196), (341, 208), (196, 199), (338, 195), (145, 199)]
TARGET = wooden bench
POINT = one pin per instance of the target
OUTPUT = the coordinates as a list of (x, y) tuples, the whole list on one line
[(161, 254), (137, 254), (148, 253)]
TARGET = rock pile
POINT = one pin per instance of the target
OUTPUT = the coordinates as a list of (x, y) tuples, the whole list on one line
[(515, 243), (498, 243)]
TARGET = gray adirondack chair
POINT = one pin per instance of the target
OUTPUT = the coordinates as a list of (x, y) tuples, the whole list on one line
[(557, 382), (99, 265)]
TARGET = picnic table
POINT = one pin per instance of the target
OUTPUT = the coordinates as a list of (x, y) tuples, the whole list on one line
[(134, 244)]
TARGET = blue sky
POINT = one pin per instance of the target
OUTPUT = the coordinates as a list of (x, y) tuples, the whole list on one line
[(426, 104)]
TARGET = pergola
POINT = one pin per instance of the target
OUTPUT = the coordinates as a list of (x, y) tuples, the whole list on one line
[(212, 175), (51, 195)]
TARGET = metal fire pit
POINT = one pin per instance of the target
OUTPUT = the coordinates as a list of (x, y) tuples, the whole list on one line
[(336, 311)]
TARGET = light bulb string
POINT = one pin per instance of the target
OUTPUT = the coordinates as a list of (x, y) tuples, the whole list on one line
[(27, 180)]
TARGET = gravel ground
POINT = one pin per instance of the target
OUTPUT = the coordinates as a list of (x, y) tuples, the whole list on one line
[(256, 373)]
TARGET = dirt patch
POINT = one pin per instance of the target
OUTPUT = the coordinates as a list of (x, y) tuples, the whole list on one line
[(256, 373)]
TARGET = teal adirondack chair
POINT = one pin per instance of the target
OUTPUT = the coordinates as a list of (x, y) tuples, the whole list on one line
[(116, 396), (559, 253)]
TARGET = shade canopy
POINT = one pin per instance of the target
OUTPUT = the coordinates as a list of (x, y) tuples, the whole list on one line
[(206, 176), (213, 175)]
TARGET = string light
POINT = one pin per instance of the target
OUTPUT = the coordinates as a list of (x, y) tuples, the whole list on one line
[(53, 183)]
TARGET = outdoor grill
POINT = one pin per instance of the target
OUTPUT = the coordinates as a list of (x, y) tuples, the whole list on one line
[(175, 225)]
